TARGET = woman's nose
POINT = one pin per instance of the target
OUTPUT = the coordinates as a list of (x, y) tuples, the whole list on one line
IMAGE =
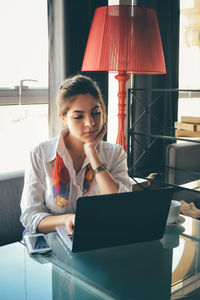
[(89, 121)]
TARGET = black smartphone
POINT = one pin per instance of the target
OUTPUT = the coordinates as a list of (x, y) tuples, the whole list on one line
[(36, 243)]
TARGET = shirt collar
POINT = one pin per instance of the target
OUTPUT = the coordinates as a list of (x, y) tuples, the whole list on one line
[(54, 145), (61, 148)]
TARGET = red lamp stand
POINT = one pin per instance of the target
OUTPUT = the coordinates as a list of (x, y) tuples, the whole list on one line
[(122, 78)]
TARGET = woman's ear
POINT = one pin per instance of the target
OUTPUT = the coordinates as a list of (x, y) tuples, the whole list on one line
[(61, 117)]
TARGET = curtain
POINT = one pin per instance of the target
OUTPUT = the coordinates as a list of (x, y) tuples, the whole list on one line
[(69, 24), (163, 112)]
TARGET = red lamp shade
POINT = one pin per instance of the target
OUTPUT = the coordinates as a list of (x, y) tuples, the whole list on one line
[(126, 39)]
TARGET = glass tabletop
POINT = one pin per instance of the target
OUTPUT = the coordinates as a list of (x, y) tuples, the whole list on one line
[(162, 269), (35, 277), (152, 270)]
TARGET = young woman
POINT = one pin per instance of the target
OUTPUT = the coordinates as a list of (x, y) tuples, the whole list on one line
[(77, 163)]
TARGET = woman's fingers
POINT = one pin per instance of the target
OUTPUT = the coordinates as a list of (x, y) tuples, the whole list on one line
[(69, 223), (100, 136), (93, 145)]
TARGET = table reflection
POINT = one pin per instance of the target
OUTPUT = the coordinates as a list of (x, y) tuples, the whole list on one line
[(171, 237), (186, 262), (137, 271)]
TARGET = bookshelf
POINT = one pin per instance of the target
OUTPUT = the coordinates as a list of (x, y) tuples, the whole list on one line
[(160, 129)]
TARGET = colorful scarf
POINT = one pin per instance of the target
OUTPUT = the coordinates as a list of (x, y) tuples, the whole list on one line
[(61, 182)]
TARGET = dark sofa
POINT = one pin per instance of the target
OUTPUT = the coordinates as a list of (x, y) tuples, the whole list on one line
[(11, 185), (185, 156)]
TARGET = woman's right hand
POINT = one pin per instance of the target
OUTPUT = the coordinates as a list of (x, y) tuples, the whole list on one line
[(69, 223)]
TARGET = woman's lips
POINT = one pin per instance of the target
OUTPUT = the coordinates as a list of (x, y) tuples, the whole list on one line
[(90, 132)]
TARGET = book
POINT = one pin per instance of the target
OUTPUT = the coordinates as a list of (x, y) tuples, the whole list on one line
[(186, 126), (188, 119), (186, 133)]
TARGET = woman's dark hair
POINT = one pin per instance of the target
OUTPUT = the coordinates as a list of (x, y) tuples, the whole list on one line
[(74, 86)]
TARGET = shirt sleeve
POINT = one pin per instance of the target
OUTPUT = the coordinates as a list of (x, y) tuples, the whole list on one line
[(119, 170), (33, 206)]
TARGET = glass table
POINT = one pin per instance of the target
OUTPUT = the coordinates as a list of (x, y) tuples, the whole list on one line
[(163, 269)]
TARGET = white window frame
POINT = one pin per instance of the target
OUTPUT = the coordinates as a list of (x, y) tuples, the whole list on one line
[(28, 96)]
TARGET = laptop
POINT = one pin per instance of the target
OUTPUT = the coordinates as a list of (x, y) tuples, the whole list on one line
[(118, 219)]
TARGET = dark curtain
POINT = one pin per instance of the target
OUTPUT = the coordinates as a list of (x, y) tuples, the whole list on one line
[(160, 115), (69, 24)]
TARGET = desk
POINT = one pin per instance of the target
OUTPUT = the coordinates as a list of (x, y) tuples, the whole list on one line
[(157, 270)]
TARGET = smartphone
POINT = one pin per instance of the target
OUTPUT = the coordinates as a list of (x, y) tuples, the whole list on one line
[(36, 243)]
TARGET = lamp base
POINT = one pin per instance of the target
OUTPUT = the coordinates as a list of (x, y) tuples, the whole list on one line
[(122, 78)]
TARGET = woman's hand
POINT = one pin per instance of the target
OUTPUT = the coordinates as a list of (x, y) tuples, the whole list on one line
[(95, 143), (69, 223)]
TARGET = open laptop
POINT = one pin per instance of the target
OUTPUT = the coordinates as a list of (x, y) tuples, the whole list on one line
[(118, 219)]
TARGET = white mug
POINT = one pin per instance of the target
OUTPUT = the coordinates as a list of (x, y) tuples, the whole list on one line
[(174, 212)]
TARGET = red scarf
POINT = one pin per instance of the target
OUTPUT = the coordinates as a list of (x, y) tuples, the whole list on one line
[(61, 182)]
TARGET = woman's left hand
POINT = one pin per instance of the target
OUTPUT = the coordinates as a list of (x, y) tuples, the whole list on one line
[(105, 181), (94, 144)]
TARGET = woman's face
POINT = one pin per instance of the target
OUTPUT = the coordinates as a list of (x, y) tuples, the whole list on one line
[(84, 119)]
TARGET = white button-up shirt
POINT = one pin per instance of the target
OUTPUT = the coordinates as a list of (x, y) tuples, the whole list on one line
[(37, 198)]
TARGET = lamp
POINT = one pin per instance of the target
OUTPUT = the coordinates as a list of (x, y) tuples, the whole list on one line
[(126, 39)]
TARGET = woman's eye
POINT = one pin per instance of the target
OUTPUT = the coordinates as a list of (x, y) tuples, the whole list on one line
[(96, 113), (78, 117)]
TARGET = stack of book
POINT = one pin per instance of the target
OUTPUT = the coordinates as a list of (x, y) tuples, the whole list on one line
[(188, 127)]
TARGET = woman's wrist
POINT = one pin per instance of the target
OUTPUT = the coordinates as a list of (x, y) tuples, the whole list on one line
[(100, 168), (93, 157)]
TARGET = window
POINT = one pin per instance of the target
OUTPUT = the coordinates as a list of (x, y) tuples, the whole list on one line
[(24, 45), (23, 80)]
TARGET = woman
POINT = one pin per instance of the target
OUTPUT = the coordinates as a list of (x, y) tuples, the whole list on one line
[(77, 163)]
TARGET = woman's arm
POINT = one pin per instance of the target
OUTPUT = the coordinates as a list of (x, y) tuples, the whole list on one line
[(105, 181), (49, 223), (33, 207), (36, 217)]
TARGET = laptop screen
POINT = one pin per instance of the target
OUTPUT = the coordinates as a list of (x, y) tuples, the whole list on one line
[(118, 219)]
